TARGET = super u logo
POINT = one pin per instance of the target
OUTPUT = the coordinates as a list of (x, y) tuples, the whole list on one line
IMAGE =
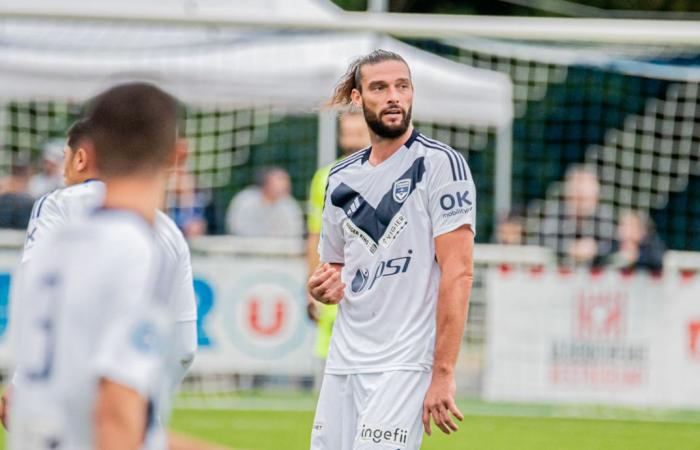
[(264, 314)]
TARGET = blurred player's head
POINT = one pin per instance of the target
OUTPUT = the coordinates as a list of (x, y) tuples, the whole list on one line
[(133, 128), (380, 83), (78, 156), (353, 134)]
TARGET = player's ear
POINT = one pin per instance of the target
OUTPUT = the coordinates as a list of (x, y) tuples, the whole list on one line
[(180, 153), (85, 156), (80, 159), (356, 97)]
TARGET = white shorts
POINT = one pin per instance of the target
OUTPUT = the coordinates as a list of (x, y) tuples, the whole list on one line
[(370, 411)]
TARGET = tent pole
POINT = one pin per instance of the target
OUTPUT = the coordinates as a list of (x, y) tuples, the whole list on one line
[(327, 130), (378, 6), (504, 172)]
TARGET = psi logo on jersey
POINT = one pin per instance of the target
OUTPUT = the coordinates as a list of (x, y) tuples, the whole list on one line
[(387, 268), (401, 189)]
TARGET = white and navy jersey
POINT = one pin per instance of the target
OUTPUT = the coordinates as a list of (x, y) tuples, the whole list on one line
[(59, 207), (74, 202), (90, 310), (71, 203), (380, 222)]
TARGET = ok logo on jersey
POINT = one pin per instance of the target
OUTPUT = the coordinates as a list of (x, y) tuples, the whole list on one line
[(458, 199)]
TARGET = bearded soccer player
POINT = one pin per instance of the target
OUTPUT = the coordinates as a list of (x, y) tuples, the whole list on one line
[(396, 252), (94, 319)]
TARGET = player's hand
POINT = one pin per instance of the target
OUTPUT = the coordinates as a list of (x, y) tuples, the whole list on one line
[(326, 286), (312, 309), (5, 408), (439, 403)]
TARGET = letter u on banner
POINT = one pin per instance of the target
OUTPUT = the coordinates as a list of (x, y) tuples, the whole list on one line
[(256, 323)]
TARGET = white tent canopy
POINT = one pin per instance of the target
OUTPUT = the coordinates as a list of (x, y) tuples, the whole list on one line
[(68, 60), (212, 66), (223, 9)]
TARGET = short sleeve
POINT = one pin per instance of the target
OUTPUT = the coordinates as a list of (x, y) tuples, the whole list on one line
[(133, 345), (132, 351), (452, 194), (331, 244), (46, 216)]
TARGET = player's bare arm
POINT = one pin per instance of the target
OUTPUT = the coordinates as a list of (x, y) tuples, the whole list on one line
[(120, 415), (454, 253), (325, 284)]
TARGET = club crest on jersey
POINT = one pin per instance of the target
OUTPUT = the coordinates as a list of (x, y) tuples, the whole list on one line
[(401, 189)]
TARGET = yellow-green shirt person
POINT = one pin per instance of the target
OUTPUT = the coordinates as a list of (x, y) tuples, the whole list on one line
[(353, 136)]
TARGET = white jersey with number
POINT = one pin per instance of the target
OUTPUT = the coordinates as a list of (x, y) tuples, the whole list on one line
[(67, 204), (380, 222), (91, 308)]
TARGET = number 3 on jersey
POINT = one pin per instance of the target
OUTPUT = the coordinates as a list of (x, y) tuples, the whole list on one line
[(43, 321)]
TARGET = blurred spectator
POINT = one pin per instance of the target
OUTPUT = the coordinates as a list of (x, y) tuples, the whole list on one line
[(353, 135), (50, 177), (185, 205), (15, 203), (581, 228), (511, 230), (637, 246), (266, 209)]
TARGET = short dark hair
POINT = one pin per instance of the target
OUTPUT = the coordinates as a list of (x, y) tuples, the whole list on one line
[(133, 128), (77, 132), (352, 79)]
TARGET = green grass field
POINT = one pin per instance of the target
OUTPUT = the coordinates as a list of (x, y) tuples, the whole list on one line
[(260, 424), (486, 427), (273, 430)]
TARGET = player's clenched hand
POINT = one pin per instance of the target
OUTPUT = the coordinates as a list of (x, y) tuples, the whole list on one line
[(325, 285), (439, 403)]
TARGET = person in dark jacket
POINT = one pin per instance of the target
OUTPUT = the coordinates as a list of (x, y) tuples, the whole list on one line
[(15, 202)]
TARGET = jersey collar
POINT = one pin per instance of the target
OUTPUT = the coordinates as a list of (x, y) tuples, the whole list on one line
[(407, 144), (411, 138)]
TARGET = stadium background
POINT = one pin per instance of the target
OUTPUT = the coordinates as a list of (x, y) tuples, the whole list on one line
[(627, 109)]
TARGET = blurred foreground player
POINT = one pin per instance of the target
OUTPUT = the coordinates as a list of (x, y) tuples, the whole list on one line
[(93, 321), (84, 192), (396, 247)]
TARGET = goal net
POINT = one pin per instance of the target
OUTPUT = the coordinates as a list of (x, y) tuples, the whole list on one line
[(629, 114)]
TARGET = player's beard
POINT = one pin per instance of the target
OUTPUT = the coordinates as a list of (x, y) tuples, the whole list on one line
[(374, 122)]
